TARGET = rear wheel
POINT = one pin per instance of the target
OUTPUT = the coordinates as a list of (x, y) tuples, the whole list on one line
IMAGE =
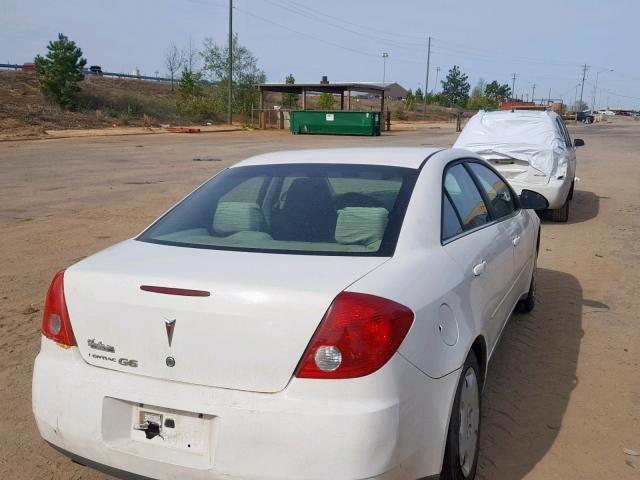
[(461, 452), (528, 303), (561, 214)]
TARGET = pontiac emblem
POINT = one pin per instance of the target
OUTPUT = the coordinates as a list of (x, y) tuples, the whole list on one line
[(170, 325)]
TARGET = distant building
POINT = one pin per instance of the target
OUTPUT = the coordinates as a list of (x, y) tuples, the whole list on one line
[(520, 105), (626, 112)]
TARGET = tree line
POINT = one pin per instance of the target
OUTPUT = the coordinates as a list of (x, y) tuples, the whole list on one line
[(203, 83), (456, 92)]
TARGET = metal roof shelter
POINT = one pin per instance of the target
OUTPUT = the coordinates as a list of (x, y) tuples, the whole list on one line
[(335, 88)]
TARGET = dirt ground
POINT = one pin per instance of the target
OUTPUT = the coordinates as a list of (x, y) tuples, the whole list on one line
[(563, 395)]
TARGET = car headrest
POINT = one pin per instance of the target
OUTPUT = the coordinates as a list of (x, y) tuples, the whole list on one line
[(361, 225), (233, 217)]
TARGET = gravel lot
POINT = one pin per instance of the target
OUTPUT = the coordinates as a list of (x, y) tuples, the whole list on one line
[(563, 395)]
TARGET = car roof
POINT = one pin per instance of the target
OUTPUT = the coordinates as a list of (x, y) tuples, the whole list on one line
[(408, 157), (506, 114), (511, 128)]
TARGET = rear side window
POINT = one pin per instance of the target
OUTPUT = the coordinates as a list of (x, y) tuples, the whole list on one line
[(450, 222), (498, 193), (317, 209), (564, 132), (465, 197)]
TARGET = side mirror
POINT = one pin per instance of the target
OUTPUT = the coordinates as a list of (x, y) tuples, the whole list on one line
[(531, 200), (578, 142)]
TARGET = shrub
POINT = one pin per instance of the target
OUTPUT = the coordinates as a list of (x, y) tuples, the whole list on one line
[(326, 101), (60, 71)]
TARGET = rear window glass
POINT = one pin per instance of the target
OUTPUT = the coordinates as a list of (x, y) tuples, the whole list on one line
[(293, 208)]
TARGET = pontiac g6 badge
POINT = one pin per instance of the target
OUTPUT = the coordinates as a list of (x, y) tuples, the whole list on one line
[(170, 325)]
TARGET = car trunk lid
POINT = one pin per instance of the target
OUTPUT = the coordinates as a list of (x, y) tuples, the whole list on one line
[(248, 333), (516, 170)]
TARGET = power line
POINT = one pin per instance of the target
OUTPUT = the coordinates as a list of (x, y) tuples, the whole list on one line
[(444, 48), (453, 46), (301, 12), (365, 27), (337, 45)]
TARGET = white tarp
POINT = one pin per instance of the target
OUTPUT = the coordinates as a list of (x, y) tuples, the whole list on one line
[(529, 136)]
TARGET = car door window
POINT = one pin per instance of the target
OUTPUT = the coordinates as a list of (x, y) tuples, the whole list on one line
[(564, 132), (450, 222), (465, 197), (498, 192)]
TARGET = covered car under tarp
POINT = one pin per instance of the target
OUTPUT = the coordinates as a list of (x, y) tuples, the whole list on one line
[(528, 136)]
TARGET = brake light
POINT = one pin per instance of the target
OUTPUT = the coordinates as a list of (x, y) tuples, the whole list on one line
[(357, 336), (56, 324)]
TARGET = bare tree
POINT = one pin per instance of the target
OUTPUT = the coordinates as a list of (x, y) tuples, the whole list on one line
[(173, 61), (190, 56)]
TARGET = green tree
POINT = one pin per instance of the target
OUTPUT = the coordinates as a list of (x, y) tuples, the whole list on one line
[(60, 71), (478, 100), (455, 88), (246, 73), (290, 100), (326, 101), (189, 84), (419, 96), (497, 92), (409, 100)]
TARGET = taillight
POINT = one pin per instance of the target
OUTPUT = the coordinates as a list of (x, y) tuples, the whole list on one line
[(55, 321), (357, 336)]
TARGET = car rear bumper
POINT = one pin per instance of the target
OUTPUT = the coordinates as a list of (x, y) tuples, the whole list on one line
[(389, 425), (556, 191)]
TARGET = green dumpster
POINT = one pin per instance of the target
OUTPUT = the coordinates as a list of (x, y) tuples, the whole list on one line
[(335, 122)]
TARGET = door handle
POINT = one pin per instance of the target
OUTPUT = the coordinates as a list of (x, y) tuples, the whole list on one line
[(479, 268), (516, 241)]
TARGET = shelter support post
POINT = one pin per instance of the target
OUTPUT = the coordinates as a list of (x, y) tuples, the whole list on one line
[(349, 100), (304, 99), (341, 100)]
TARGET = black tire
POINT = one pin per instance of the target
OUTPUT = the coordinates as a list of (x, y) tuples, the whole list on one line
[(571, 191), (528, 303), (561, 214), (451, 465)]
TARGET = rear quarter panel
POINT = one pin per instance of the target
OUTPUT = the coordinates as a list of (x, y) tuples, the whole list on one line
[(424, 282), (423, 277)]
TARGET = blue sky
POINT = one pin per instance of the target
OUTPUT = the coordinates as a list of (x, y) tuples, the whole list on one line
[(544, 42)]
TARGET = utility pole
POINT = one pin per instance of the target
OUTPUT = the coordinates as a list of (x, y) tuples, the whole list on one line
[(533, 92), (513, 87), (435, 85), (595, 88), (426, 82), (584, 74), (229, 106), (549, 97), (384, 68)]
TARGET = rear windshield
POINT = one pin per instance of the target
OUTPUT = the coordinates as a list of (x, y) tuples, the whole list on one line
[(314, 209)]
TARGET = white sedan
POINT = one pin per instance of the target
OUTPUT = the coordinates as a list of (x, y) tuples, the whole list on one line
[(325, 314)]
